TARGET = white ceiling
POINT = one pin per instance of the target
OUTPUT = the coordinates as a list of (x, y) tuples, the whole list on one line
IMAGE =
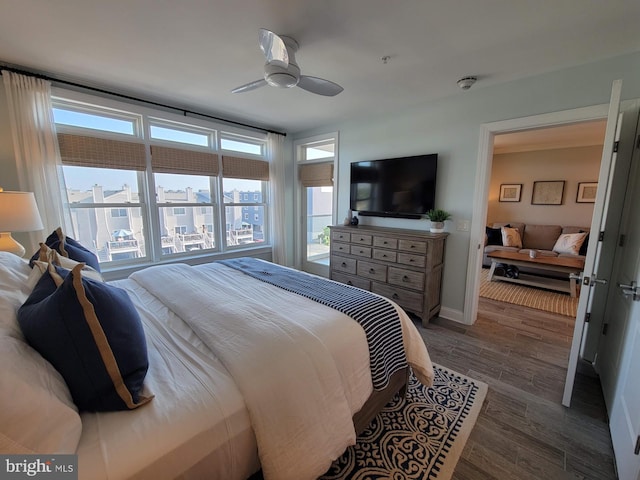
[(192, 53)]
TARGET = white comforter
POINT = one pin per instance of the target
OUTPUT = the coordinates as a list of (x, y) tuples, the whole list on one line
[(296, 390)]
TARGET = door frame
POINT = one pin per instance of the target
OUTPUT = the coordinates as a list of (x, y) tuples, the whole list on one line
[(488, 131)]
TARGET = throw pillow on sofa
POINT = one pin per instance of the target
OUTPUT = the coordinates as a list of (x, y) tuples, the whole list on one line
[(511, 237), (569, 243), (494, 236)]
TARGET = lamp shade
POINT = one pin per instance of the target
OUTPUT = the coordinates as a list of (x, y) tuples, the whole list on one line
[(19, 212)]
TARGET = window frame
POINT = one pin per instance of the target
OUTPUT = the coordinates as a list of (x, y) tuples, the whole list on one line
[(143, 118)]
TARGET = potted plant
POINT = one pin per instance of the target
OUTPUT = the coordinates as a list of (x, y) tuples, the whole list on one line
[(437, 217)]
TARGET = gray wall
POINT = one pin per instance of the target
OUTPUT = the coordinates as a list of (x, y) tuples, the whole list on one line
[(451, 126)]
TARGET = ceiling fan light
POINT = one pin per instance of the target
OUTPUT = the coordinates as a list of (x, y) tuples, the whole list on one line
[(281, 80)]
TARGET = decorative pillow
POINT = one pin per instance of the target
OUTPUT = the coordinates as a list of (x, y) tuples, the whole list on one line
[(92, 334), (70, 248), (585, 244), (569, 243), (37, 414), (511, 237), (494, 236), (47, 256)]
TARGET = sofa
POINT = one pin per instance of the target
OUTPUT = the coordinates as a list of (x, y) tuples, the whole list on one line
[(542, 238)]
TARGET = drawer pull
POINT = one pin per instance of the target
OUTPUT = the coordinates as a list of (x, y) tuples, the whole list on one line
[(350, 283), (344, 264), (361, 239), (412, 246), (411, 260), (405, 278), (372, 270), (395, 296), (361, 251), (384, 255), (385, 242)]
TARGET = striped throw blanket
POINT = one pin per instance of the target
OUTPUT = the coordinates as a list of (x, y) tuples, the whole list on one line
[(377, 316)]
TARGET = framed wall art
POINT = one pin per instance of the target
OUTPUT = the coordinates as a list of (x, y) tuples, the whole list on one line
[(587, 192), (510, 192), (547, 192)]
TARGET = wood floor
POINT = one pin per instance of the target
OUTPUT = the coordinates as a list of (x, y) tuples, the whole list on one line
[(524, 432)]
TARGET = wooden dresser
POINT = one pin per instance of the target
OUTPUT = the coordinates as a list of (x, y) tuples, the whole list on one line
[(403, 265)]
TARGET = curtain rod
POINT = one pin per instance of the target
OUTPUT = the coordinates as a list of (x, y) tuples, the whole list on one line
[(129, 97)]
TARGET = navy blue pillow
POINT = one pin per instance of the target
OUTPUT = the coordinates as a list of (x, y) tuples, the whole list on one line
[(70, 248), (585, 244), (92, 334), (494, 236)]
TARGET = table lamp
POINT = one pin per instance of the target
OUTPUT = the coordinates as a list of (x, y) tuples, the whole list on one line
[(18, 213)]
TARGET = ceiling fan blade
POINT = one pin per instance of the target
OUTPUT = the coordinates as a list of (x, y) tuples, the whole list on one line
[(319, 86), (273, 48), (250, 86)]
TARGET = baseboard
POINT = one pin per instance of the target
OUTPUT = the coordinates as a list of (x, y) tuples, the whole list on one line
[(451, 314)]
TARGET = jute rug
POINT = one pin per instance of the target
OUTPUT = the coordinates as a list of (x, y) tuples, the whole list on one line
[(420, 436), (537, 298)]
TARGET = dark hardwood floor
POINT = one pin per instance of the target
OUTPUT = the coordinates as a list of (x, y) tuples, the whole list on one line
[(524, 432)]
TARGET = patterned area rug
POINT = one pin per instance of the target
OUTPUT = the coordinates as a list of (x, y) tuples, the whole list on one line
[(420, 436), (531, 297)]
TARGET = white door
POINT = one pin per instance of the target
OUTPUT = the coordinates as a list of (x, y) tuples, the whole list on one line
[(619, 355), (590, 279)]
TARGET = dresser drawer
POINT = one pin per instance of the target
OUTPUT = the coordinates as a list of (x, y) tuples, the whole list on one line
[(374, 271), (338, 247), (386, 255), (406, 299), (343, 264), (412, 259), (351, 280), (406, 278), (340, 237), (361, 239), (385, 242), (412, 246), (361, 251)]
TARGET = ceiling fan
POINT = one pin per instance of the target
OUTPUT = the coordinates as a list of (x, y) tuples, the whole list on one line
[(281, 69)]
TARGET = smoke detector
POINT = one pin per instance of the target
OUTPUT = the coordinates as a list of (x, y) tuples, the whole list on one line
[(465, 82)]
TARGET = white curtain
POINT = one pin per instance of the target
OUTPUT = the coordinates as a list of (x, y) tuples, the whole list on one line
[(36, 149), (275, 144)]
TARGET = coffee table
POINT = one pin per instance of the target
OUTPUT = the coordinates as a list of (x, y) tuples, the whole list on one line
[(563, 265)]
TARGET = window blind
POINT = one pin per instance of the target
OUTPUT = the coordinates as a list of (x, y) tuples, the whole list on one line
[(189, 162), (83, 151), (316, 175), (244, 168)]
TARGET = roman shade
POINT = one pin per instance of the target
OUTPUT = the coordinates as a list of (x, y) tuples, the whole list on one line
[(84, 151), (244, 168), (189, 162), (316, 175)]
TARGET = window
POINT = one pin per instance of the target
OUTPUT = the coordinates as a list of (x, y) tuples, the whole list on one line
[(168, 205), (315, 158)]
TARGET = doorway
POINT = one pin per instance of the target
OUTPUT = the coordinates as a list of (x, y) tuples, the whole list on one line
[(565, 156)]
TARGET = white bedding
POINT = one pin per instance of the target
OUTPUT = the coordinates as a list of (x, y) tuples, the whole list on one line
[(198, 425)]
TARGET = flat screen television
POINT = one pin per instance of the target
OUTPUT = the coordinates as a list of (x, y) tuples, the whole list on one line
[(395, 187)]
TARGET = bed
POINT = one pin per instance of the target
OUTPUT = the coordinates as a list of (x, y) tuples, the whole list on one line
[(242, 375)]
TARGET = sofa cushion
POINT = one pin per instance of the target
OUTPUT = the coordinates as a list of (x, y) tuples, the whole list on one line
[(519, 226), (541, 237)]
